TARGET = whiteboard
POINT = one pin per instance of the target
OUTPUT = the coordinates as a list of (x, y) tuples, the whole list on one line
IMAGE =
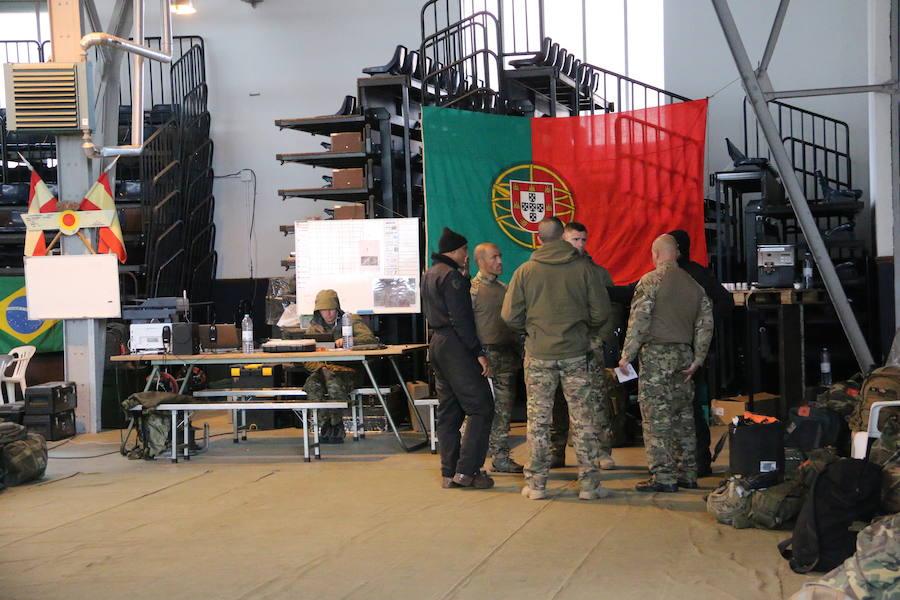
[(373, 264), (73, 286)]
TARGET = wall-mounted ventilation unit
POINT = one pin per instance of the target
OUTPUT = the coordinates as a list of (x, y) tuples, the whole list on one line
[(46, 97)]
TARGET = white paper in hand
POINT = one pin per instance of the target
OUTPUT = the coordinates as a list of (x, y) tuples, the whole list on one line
[(625, 374)]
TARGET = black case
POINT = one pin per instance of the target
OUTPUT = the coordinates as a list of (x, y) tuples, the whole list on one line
[(257, 376), (12, 412), (50, 398), (54, 427), (756, 448)]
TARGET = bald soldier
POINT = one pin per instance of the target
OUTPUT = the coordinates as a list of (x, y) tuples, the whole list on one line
[(501, 347), (556, 299), (669, 329)]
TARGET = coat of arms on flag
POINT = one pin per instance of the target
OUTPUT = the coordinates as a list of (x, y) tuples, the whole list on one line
[(531, 201)]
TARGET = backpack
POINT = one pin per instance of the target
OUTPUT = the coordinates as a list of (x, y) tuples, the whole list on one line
[(152, 427), (812, 427), (814, 464), (842, 397), (848, 490), (772, 507), (11, 432), (881, 384), (25, 459), (730, 503)]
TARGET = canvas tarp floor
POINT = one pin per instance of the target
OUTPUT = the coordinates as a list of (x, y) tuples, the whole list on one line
[(368, 521)]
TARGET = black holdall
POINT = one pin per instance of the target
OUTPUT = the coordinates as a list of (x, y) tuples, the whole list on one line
[(846, 491), (756, 446)]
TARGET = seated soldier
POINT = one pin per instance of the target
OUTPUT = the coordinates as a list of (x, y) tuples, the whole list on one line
[(331, 379)]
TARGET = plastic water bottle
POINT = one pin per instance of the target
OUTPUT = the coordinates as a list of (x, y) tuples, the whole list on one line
[(825, 367), (247, 334), (347, 331), (807, 271)]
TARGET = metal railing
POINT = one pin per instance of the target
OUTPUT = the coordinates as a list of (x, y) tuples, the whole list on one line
[(813, 142)]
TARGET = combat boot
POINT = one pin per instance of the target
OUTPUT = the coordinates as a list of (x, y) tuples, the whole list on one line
[(607, 463), (479, 481), (338, 433), (653, 486), (506, 465), (533, 493), (447, 483), (592, 490)]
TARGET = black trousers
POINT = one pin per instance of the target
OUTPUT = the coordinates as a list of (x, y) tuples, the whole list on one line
[(462, 392), (701, 425)]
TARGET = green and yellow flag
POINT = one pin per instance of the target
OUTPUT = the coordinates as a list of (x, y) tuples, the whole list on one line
[(16, 329)]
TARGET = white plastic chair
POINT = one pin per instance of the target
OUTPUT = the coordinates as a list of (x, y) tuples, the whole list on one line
[(860, 446), (21, 355)]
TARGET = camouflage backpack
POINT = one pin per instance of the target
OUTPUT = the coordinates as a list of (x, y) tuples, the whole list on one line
[(842, 397), (152, 427), (24, 460), (772, 507), (881, 384), (886, 452), (730, 503)]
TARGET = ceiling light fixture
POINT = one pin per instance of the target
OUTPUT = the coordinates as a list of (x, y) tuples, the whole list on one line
[(183, 7)]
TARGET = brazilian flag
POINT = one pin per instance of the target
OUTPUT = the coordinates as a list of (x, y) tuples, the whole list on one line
[(16, 329)]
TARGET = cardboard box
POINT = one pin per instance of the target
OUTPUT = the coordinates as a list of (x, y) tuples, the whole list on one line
[(725, 409), (351, 211), (418, 389), (346, 142), (348, 179)]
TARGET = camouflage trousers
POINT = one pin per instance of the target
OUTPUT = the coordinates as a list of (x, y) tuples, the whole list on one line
[(336, 385), (504, 363), (666, 409), (599, 405), (542, 378)]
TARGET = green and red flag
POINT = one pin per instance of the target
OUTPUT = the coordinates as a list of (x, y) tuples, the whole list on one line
[(628, 177)]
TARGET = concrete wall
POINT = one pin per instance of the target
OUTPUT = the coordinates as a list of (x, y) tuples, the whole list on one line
[(823, 43), (283, 59)]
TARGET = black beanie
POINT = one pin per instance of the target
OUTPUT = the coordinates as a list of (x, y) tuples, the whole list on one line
[(450, 241), (683, 240)]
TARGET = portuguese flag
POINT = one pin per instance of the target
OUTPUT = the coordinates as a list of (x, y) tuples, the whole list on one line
[(628, 177)]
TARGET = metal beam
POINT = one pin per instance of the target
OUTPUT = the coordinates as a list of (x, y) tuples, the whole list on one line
[(773, 36), (794, 190), (895, 151), (888, 87)]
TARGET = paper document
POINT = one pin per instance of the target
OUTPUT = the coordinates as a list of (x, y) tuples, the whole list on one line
[(625, 374)]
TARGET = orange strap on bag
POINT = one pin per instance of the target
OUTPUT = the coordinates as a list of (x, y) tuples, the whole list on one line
[(760, 419)]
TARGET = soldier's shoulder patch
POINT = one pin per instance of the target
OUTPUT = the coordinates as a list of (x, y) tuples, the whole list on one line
[(456, 282)]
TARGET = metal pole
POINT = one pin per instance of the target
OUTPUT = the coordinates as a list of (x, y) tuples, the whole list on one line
[(794, 190), (895, 152), (773, 35)]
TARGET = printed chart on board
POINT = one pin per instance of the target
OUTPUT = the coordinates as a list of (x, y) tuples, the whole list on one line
[(373, 264)]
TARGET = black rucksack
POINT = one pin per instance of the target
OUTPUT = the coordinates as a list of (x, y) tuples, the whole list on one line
[(846, 491), (813, 427)]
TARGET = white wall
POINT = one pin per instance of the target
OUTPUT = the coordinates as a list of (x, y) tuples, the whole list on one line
[(823, 43), (299, 59)]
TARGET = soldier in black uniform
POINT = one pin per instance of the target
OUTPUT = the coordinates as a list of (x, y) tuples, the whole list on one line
[(460, 368)]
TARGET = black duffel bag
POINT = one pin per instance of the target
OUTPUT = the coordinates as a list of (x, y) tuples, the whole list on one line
[(812, 427)]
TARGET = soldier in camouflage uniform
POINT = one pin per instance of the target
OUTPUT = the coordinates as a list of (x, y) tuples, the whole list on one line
[(501, 347), (670, 328), (872, 572), (556, 298), (576, 235), (334, 380)]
